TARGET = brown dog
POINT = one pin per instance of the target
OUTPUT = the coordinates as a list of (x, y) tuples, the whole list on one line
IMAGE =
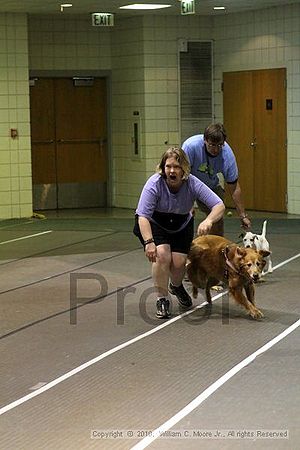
[(214, 258)]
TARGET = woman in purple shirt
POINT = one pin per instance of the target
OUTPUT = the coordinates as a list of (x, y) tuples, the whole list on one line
[(165, 224)]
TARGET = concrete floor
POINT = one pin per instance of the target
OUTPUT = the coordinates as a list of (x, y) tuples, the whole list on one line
[(83, 354)]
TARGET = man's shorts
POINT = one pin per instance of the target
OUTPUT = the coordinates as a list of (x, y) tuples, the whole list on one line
[(180, 242)]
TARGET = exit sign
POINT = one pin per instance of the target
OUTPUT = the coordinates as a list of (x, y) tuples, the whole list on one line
[(102, 20), (187, 7)]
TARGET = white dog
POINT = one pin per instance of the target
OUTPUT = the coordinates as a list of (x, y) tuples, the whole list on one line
[(259, 242)]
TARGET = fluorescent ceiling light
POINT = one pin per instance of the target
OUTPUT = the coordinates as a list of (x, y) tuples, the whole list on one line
[(144, 6), (219, 7)]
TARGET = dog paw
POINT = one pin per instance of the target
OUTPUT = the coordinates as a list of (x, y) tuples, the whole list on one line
[(261, 280), (256, 314), (218, 287)]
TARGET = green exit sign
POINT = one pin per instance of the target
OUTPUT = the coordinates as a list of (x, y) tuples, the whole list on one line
[(187, 7), (102, 20)]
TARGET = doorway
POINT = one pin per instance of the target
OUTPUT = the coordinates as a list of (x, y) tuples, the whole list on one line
[(255, 121), (69, 142)]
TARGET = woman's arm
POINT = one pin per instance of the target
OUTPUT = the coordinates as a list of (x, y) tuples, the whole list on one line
[(145, 228), (146, 232)]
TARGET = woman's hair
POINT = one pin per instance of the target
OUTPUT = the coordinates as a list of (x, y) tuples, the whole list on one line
[(181, 158), (215, 133)]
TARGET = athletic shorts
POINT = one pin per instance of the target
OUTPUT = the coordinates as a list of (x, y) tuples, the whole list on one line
[(180, 242)]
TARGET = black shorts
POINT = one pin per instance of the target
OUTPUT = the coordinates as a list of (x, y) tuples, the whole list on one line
[(179, 242)]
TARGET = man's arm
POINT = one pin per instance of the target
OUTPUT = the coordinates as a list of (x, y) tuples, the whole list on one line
[(236, 194)]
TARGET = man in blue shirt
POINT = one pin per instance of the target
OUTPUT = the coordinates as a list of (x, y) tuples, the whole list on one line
[(210, 156)]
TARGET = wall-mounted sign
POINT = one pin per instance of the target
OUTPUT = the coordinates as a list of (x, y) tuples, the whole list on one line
[(187, 7), (102, 20)]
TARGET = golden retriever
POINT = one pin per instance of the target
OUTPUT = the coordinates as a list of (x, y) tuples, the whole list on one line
[(214, 258)]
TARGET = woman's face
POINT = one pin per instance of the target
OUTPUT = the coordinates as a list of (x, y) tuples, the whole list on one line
[(173, 172)]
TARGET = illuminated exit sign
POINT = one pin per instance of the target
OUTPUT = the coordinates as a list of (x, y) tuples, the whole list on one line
[(187, 7), (102, 20)]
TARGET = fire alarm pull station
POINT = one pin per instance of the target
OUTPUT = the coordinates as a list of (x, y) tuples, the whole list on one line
[(13, 133)]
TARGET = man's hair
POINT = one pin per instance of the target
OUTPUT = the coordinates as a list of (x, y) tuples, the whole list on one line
[(215, 133), (181, 158)]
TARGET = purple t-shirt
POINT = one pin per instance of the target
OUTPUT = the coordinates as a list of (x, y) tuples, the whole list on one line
[(157, 198), (206, 167)]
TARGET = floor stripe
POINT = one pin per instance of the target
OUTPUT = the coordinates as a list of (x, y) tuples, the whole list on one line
[(286, 261), (211, 389), (98, 358), (25, 237), (14, 224)]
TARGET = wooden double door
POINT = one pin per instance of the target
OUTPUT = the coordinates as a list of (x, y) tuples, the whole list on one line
[(69, 142), (255, 121)]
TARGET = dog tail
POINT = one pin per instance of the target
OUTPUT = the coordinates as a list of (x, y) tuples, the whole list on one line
[(264, 230)]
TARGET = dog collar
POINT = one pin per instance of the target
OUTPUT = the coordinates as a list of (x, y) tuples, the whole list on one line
[(232, 267)]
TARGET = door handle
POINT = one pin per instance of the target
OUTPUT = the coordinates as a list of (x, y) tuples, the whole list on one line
[(81, 141), (253, 144), (50, 141)]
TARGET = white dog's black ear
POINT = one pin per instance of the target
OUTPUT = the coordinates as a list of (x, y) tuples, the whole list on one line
[(264, 253), (241, 235), (255, 237)]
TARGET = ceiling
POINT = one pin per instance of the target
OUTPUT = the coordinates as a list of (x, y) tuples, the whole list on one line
[(203, 7)]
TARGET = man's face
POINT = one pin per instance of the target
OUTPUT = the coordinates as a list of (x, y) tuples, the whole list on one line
[(213, 148)]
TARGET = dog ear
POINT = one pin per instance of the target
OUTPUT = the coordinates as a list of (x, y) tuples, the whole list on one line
[(228, 248), (264, 253), (255, 237), (241, 235), (241, 251)]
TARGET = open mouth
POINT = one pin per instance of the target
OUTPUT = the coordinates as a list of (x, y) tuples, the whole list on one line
[(173, 177)]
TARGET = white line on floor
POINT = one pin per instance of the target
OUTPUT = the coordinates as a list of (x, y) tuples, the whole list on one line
[(211, 389), (98, 358), (26, 237), (286, 261), (15, 224)]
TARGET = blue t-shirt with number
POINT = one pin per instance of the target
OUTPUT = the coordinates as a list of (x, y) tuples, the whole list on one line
[(206, 167)]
